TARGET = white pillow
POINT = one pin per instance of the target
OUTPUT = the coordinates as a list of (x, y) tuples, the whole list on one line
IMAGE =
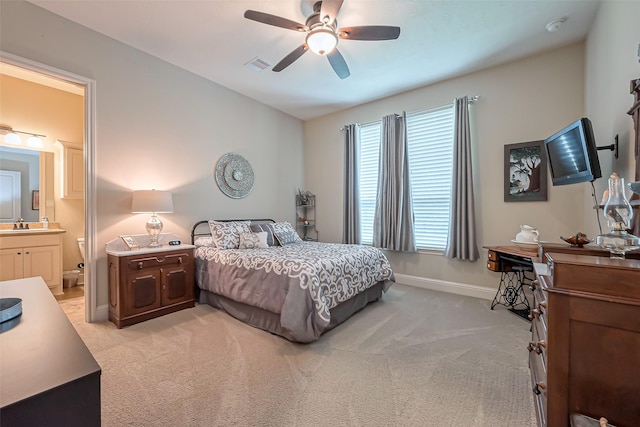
[(253, 240), (226, 235), (204, 241)]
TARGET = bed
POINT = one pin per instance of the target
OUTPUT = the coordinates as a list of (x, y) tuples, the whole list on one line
[(260, 272)]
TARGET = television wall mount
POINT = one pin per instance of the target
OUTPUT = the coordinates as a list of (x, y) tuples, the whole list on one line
[(612, 147)]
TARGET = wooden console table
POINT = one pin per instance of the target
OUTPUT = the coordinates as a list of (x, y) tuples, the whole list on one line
[(48, 377), (513, 263)]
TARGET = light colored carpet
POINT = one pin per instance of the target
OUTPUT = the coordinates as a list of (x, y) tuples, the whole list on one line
[(415, 358)]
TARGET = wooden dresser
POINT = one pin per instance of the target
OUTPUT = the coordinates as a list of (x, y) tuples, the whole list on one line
[(48, 377), (584, 355)]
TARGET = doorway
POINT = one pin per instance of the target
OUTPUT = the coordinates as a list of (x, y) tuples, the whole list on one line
[(51, 74)]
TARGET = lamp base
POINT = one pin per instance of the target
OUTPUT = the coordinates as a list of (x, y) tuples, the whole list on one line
[(154, 227), (618, 243)]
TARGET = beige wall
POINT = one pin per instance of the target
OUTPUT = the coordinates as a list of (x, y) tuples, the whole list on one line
[(519, 101), (58, 115), (161, 127), (611, 63)]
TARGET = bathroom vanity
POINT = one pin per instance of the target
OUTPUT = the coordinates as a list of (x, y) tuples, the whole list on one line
[(31, 253)]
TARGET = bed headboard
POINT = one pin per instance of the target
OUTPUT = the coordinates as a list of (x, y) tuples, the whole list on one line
[(201, 228)]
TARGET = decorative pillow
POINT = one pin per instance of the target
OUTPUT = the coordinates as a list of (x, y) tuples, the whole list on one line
[(226, 235), (282, 227), (253, 240), (287, 237), (268, 228), (203, 241)]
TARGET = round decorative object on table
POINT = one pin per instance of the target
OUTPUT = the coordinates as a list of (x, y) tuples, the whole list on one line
[(234, 175)]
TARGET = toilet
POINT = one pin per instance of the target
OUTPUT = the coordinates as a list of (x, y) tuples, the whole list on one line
[(81, 265)]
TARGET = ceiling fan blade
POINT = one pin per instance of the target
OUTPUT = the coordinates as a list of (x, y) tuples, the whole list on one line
[(330, 9), (289, 59), (338, 64), (369, 32), (274, 20)]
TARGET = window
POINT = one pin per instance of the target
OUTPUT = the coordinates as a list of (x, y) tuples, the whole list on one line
[(369, 155), (430, 148)]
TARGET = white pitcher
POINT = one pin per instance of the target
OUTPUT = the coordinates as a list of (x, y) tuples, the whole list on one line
[(527, 234)]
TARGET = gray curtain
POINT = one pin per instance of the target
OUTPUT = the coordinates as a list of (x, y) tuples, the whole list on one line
[(393, 224), (462, 230), (351, 220)]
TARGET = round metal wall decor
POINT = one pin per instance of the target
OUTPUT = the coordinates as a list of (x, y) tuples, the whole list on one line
[(234, 175)]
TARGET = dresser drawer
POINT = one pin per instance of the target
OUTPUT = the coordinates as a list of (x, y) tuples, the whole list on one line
[(538, 388)]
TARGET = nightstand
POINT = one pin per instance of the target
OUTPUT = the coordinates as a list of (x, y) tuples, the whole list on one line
[(146, 283)]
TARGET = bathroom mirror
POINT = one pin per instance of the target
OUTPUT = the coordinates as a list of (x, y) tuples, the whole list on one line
[(27, 184)]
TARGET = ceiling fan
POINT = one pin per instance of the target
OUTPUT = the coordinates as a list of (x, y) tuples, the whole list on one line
[(323, 35)]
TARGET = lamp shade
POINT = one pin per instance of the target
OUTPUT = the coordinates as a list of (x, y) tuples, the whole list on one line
[(149, 201)]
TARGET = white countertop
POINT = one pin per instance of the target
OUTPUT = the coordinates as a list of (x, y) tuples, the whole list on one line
[(117, 247), (31, 231)]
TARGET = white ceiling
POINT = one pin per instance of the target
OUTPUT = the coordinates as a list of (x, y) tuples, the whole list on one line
[(438, 40)]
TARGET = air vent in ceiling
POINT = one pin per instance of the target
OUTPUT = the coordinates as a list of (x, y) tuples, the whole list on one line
[(257, 64)]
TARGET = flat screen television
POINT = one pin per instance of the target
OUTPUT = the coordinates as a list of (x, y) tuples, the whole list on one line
[(572, 154)]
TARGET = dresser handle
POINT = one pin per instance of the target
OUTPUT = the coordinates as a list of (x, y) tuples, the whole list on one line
[(159, 260), (140, 265), (537, 389), (537, 346)]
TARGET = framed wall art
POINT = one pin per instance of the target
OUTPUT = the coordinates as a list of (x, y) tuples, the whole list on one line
[(525, 172)]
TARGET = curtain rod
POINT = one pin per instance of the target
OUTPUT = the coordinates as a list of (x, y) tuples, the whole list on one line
[(472, 99)]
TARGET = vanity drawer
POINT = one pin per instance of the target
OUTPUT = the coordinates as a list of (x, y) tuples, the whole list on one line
[(29, 240)]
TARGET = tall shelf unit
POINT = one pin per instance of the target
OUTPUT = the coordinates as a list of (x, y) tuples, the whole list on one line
[(306, 216)]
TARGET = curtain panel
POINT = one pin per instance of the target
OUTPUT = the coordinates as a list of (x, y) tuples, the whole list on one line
[(351, 217), (462, 243), (393, 224)]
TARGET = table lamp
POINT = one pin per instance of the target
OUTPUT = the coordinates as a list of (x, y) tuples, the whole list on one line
[(618, 213), (153, 202)]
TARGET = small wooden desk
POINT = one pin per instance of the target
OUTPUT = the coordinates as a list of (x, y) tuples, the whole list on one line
[(513, 263)]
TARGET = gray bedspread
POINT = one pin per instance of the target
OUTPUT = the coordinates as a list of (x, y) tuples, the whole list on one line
[(301, 282)]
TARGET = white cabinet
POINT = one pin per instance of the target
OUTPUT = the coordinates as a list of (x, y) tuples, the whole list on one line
[(71, 170), (32, 254)]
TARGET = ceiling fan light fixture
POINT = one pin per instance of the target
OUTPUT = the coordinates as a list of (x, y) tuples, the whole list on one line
[(321, 40)]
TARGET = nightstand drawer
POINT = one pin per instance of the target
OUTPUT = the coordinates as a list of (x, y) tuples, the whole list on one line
[(157, 261)]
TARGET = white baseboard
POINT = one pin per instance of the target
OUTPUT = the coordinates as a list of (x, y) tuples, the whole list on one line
[(445, 286), (102, 313)]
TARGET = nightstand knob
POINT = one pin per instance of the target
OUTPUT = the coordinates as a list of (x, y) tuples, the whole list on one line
[(180, 260), (140, 265)]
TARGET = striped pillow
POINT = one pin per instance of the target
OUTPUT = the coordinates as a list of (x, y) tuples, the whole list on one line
[(271, 241)]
